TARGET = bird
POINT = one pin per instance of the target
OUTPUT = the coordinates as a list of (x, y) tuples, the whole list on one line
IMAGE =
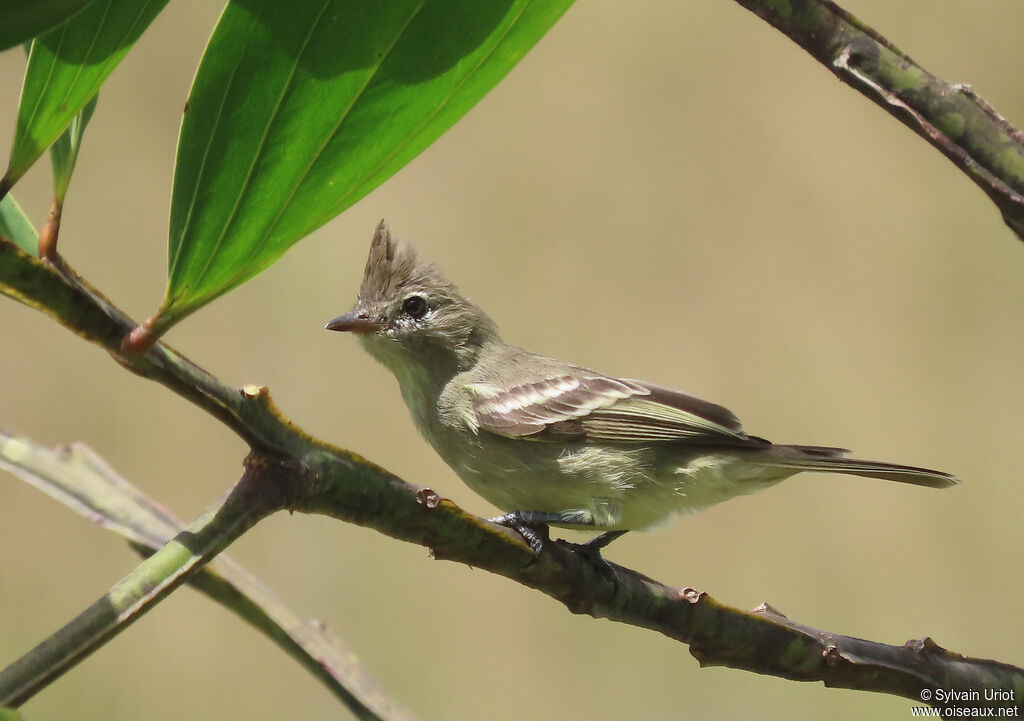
[(552, 443)]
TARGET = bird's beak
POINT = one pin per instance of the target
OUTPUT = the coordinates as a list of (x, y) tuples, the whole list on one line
[(355, 321)]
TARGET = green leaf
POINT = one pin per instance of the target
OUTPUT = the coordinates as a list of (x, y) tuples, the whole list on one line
[(16, 227), (299, 109), (64, 152), (9, 714), (66, 68), (24, 19)]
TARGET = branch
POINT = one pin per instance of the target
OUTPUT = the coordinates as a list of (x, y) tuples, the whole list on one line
[(81, 480), (953, 118), (123, 604), (291, 470)]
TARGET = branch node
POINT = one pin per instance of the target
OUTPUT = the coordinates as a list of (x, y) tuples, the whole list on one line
[(273, 481), (428, 497), (766, 609), (924, 645), (692, 596), (253, 391), (140, 339), (831, 656)]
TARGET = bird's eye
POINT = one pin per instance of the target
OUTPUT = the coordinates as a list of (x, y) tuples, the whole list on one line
[(415, 306)]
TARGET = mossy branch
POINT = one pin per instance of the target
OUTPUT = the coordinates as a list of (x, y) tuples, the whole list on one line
[(952, 117), (289, 470)]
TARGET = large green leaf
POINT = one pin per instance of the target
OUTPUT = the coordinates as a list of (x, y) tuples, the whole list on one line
[(66, 67), (22, 20), (299, 109)]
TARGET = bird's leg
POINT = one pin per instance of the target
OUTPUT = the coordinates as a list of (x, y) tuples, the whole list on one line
[(533, 527), (591, 550), (594, 545)]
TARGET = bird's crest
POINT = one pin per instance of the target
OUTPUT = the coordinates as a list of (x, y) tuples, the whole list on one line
[(391, 265)]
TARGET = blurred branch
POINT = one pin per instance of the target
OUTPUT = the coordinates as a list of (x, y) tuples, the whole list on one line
[(953, 118), (291, 470), (139, 591), (81, 480)]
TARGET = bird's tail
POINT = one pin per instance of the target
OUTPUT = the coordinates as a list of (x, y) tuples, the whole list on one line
[(830, 460)]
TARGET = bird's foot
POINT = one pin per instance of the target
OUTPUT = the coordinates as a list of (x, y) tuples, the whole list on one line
[(533, 527), (533, 531)]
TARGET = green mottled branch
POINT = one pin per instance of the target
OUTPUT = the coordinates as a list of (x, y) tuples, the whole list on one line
[(290, 470), (959, 123)]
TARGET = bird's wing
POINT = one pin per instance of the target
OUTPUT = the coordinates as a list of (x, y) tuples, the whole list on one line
[(590, 406)]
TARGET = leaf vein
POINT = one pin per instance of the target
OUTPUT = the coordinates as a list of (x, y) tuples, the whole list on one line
[(259, 149), (179, 244), (316, 156), (444, 102)]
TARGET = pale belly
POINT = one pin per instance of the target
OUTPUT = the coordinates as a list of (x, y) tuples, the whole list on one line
[(608, 487)]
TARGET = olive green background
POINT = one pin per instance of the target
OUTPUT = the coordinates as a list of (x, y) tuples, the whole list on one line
[(664, 190)]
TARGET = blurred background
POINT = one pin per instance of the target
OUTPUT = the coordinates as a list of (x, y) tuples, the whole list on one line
[(669, 191)]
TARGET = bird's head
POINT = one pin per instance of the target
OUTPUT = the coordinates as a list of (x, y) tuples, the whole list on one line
[(407, 313)]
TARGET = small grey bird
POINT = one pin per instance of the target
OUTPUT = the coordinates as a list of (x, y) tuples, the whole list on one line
[(550, 442)]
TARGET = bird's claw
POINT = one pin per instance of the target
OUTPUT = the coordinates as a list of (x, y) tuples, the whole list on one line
[(535, 534)]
